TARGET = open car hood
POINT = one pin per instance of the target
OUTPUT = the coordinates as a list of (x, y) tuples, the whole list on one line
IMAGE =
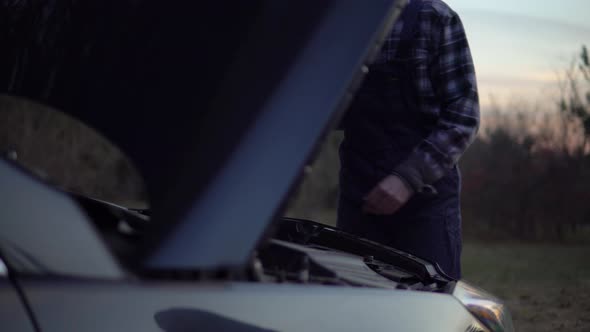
[(219, 103)]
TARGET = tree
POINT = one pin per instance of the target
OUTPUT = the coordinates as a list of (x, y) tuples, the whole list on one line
[(575, 101)]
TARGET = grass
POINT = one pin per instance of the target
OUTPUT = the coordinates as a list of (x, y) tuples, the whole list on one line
[(546, 286)]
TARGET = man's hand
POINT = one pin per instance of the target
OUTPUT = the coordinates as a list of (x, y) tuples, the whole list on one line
[(388, 196)]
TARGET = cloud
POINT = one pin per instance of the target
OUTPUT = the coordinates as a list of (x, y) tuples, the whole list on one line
[(503, 80)]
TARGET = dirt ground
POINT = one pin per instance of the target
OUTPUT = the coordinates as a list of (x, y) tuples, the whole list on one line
[(546, 286)]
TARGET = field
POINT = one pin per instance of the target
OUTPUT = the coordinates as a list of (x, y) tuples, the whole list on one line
[(546, 286)]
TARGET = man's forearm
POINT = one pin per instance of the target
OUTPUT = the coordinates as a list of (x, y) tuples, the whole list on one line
[(441, 150)]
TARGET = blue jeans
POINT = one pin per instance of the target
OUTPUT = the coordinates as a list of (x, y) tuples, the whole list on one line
[(428, 226)]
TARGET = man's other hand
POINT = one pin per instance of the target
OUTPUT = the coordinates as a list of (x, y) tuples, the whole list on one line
[(388, 196)]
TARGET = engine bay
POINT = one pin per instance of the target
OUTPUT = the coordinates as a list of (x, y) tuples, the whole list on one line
[(307, 252), (298, 251)]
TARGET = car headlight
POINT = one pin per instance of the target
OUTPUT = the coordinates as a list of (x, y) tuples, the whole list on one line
[(489, 310)]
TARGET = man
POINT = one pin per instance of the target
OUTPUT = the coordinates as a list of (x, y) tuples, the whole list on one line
[(415, 114)]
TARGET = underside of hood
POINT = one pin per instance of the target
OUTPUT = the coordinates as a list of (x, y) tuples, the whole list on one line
[(218, 103)]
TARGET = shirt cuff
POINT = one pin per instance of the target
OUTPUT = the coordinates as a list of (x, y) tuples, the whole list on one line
[(410, 174)]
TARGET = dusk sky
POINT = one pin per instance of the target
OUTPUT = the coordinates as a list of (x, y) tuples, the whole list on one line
[(521, 46)]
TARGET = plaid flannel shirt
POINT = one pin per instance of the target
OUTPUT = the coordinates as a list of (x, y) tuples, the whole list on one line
[(445, 84)]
